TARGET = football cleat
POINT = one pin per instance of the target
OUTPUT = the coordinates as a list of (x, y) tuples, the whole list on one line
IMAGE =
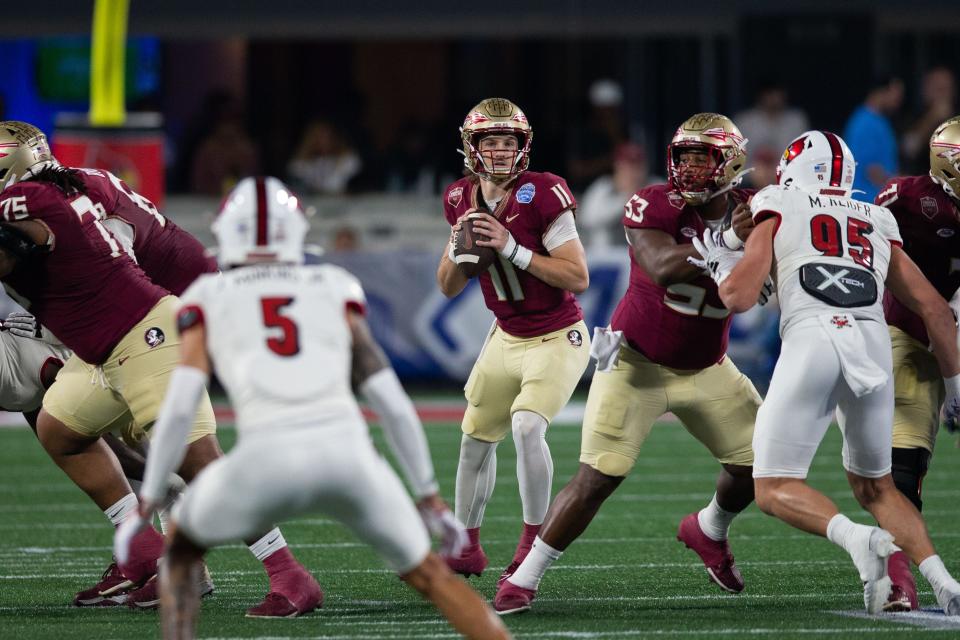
[(293, 592), (512, 599), (870, 558), (948, 597), (148, 596), (510, 570), (472, 561), (716, 555), (111, 591), (903, 593), (145, 549)]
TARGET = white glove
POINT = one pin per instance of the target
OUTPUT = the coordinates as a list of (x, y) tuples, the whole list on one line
[(21, 323), (125, 534), (951, 406), (716, 260), (442, 524), (766, 292)]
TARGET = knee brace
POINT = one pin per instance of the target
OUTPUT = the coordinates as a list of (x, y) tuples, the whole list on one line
[(909, 468)]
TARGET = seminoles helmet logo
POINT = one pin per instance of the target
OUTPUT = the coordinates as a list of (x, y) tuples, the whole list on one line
[(945, 157)]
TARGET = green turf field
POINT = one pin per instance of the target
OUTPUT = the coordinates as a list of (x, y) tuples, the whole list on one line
[(626, 578)]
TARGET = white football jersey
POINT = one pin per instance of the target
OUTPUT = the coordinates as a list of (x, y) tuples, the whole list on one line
[(832, 252), (26, 365), (279, 341)]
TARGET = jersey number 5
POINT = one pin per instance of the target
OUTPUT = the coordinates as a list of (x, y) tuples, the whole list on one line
[(826, 237), (288, 344)]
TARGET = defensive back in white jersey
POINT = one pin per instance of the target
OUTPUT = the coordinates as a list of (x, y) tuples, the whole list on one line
[(279, 341), (831, 251)]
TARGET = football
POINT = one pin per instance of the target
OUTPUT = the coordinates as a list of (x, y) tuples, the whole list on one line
[(470, 258)]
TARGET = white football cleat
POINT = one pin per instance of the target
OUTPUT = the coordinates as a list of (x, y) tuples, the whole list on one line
[(948, 597), (870, 557)]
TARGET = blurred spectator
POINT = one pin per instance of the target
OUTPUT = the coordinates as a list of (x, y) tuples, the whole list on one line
[(939, 94), (225, 156), (764, 163), (411, 162), (218, 105), (345, 239), (601, 208), (770, 125), (324, 162), (870, 136), (604, 129)]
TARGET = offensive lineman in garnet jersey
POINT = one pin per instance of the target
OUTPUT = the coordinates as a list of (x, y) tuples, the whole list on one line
[(665, 351), (62, 264), (538, 348), (927, 209)]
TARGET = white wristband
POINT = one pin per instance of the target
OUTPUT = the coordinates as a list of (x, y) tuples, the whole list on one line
[(731, 240), (516, 252)]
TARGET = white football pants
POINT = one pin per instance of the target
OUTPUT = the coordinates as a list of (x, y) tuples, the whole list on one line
[(806, 387)]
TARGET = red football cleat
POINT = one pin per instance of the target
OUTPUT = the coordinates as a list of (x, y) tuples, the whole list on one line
[(111, 591), (145, 549), (472, 561), (148, 597), (527, 538), (292, 586), (512, 599), (274, 605), (903, 595), (510, 570), (716, 555)]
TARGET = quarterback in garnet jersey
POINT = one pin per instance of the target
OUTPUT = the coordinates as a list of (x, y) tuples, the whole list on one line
[(61, 263), (665, 351), (538, 348), (927, 210)]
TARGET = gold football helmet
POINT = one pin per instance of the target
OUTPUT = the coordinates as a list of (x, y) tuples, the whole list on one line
[(22, 146), (721, 140), (495, 116), (945, 157)]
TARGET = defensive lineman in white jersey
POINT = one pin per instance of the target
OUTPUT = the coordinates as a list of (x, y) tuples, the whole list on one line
[(831, 256), (286, 340)]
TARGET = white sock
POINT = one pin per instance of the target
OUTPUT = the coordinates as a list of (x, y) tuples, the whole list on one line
[(531, 570), (936, 574), (476, 475), (715, 521), (534, 465), (268, 544), (119, 510), (841, 530)]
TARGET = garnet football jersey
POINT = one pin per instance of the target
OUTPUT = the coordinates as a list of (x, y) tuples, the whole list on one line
[(684, 325), (832, 252), (278, 338), (169, 255), (929, 223), (524, 305), (88, 291)]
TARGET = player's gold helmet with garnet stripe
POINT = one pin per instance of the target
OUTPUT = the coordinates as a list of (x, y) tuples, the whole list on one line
[(945, 156), (495, 116), (717, 136), (22, 147)]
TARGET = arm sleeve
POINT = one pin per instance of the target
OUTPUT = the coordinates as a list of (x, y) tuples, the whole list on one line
[(187, 385), (562, 230), (403, 430)]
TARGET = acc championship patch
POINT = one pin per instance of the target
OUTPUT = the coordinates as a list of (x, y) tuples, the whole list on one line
[(154, 337), (525, 193), (455, 196), (575, 337)]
